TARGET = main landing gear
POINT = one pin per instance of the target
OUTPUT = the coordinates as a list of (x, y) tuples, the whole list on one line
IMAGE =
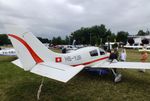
[(117, 77)]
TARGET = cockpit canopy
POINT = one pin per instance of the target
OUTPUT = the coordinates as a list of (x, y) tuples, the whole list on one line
[(95, 52)]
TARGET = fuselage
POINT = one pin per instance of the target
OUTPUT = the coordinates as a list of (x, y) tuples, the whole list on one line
[(87, 56)]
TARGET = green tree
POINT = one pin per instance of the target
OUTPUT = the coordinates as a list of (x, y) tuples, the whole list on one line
[(67, 40), (92, 35), (131, 41), (43, 40), (122, 36), (57, 41), (145, 41), (142, 33), (54, 41), (4, 39), (112, 37)]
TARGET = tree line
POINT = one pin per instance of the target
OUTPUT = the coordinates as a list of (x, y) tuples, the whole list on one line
[(97, 35), (94, 35)]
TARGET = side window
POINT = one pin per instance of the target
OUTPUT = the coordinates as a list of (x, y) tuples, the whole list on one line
[(102, 52), (94, 53)]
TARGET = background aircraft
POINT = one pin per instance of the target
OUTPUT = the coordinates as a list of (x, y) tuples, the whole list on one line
[(136, 47), (8, 52), (38, 59)]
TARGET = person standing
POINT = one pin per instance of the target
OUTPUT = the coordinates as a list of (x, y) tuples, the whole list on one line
[(123, 55), (113, 56), (116, 53), (144, 57)]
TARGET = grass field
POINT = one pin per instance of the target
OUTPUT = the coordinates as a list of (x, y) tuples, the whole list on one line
[(18, 85)]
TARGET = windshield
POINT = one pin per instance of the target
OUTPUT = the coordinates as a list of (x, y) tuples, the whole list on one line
[(94, 53)]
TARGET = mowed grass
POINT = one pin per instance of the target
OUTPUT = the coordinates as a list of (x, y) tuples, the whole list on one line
[(18, 85)]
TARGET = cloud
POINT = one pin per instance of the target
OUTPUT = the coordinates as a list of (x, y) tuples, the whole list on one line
[(61, 17)]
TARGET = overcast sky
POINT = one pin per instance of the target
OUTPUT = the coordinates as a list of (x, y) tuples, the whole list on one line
[(50, 18)]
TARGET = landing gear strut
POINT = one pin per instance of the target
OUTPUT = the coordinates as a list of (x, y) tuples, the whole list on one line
[(117, 76)]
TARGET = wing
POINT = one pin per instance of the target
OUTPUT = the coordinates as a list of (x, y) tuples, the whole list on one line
[(128, 65), (54, 70)]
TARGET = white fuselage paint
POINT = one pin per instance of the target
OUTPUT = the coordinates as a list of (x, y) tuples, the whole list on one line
[(82, 57)]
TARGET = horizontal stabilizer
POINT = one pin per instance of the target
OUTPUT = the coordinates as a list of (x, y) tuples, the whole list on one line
[(56, 71), (18, 63)]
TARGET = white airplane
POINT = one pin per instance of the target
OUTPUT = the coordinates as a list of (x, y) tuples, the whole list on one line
[(71, 48), (141, 50), (136, 47), (36, 58), (8, 52), (133, 47)]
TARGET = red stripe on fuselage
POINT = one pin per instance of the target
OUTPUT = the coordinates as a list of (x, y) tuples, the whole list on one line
[(36, 58), (87, 63)]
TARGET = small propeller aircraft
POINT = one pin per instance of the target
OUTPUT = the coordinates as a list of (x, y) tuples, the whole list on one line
[(38, 59), (146, 50)]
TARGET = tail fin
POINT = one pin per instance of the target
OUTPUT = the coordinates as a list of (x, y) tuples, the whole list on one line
[(30, 50)]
